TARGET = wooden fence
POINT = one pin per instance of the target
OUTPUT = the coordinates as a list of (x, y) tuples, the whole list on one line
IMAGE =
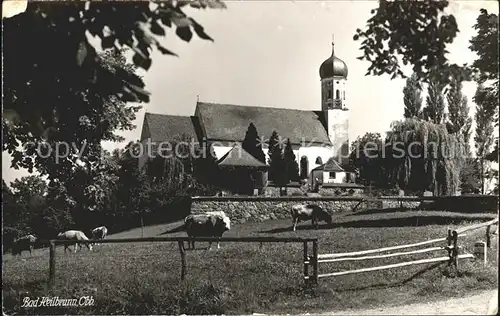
[(312, 259), (452, 257), (181, 240)]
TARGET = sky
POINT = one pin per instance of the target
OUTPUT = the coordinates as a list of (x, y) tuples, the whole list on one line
[(268, 53)]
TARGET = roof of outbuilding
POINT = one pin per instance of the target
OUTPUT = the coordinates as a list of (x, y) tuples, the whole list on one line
[(239, 157), (228, 122), (330, 166)]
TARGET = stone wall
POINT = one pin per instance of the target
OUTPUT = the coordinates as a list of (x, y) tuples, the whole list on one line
[(257, 209), (261, 208), (406, 202)]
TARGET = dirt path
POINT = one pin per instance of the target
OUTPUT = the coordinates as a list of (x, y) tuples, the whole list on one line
[(471, 305)]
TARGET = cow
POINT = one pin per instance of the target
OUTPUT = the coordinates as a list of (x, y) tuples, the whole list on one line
[(75, 236), (210, 224), (23, 243), (99, 233), (313, 212)]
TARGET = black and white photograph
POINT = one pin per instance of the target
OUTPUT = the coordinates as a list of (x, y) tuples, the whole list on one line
[(250, 157)]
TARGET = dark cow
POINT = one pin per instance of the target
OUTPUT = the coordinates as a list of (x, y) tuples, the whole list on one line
[(99, 233), (23, 243), (311, 212), (211, 224), (75, 236)]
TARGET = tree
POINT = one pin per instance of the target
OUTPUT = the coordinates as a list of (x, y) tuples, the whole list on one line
[(118, 25), (470, 177), (485, 45), (253, 144), (277, 167), (409, 32), (88, 90), (366, 157), (458, 121), (434, 109), (291, 165), (76, 127), (423, 156), (274, 142), (483, 138), (412, 98), (28, 189), (14, 214)]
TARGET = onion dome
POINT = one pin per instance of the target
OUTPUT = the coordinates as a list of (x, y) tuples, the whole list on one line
[(333, 67)]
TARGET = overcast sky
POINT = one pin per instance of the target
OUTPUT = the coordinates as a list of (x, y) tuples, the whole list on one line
[(268, 53)]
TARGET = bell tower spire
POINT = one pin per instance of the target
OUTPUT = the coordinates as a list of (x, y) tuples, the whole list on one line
[(333, 44), (333, 74)]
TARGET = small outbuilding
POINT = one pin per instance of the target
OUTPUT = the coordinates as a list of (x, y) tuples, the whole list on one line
[(241, 172)]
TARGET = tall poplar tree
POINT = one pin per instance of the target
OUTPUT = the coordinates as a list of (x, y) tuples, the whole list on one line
[(434, 109), (412, 98), (459, 122)]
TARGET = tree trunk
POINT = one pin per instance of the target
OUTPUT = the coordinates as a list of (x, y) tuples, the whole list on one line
[(142, 227)]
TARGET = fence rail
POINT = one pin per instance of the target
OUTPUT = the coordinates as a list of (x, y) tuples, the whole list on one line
[(452, 248), (477, 226), (365, 252), (177, 239), (312, 260)]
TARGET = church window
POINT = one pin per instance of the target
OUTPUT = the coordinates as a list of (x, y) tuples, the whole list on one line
[(337, 94), (332, 175), (319, 161), (343, 94), (329, 96)]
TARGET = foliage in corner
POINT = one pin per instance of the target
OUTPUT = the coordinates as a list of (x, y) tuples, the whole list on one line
[(64, 90), (410, 32)]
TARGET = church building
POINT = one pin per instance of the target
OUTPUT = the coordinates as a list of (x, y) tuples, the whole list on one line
[(319, 138)]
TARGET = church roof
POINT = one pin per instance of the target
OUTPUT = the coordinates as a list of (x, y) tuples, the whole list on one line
[(162, 127), (228, 122), (239, 157)]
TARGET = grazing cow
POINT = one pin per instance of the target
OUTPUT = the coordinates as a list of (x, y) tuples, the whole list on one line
[(99, 233), (210, 224), (23, 243), (311, 211), (75, 236)]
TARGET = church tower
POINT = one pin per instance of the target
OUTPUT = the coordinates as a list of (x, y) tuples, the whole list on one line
[(333, 74)]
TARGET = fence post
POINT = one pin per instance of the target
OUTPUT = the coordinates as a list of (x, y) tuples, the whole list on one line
[(52, 263), (183, 260), (315, 262), (455, 249), (449, 240), (488, 237), (306, 264)]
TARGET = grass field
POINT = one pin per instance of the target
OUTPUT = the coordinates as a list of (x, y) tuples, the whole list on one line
[(143, 278)]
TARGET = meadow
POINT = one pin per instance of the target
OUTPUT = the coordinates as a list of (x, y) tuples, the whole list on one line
[(241, 278)]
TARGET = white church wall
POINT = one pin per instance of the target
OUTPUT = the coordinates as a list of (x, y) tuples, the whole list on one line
[(221, 150), (312, 153)]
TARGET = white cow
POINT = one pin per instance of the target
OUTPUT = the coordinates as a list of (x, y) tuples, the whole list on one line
[(74, 235), (209, 224), (99, 233)]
